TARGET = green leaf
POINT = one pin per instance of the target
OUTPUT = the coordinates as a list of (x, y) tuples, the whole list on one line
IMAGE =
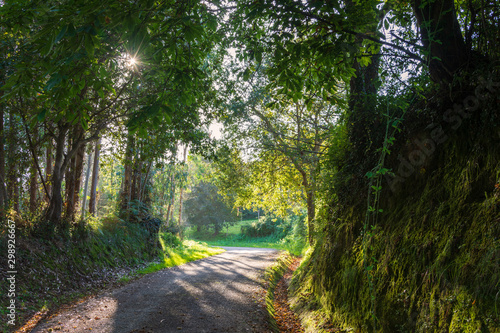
[(246, 74), (41, 115), (258, 56), (382, 171), (61, 34), (71, 31), (85, 124), (89, 46), (212, 23), (54, 80), (153, 109)]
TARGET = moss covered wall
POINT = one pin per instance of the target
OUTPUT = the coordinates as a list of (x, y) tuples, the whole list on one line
[(435, 249)]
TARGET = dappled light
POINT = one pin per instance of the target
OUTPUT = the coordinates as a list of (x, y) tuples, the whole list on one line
[(158, 154)]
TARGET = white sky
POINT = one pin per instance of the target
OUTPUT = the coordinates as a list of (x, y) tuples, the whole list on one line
[(215, 130)]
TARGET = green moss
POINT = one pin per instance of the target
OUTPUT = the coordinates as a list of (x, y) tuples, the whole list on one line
[(435, 252)]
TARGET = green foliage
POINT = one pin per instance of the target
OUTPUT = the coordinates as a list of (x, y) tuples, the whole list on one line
[(419, 253), (169, 240), (266, 226), (296, 240)]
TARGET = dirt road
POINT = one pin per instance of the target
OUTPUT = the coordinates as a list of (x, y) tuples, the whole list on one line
[(214, 294)]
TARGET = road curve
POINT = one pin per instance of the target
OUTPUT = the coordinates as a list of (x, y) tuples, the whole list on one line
[(215, 294)]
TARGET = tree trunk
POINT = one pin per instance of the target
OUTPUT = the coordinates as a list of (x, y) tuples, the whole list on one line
[(33, 188), (441, 37), (168, 212), (62, 161), (54, 211), (181, 190), (95, 175), (127, 178), (180, 205), (80, 157), (172, 200), (136, 176), (311, 214), (85, 188), (70, 189), (48, 166), (171, 194), (12, 181), (53, 214), (145, 195), (362, 102), (17, 193), (311, 206), (74, 176)]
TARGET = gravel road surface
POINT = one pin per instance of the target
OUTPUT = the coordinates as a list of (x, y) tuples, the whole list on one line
[(215, 294)]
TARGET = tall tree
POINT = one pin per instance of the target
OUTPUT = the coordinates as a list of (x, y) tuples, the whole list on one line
[(182, 183), (33, 187), (205, 207), (79, 72), (74, 177), (86, 185), (442, 37), (287, 132), (13, 163), (95, 177), (126, 188), (48, 168)]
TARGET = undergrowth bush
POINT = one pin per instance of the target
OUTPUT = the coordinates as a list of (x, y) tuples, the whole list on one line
[(266, 226), (292, 228)]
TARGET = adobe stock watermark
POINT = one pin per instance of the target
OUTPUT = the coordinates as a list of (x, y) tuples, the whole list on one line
[(11, 272), (436, 135)]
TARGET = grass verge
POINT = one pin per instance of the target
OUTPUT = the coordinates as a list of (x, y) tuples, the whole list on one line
[(189, 251)]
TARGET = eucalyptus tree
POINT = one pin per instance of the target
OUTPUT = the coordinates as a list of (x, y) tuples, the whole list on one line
[(113, 59)]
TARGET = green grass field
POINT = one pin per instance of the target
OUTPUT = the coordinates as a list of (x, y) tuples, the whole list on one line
[(232, 236), (226, 233)]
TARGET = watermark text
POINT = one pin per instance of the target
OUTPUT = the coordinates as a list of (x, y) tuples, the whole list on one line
[(11, 272)]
